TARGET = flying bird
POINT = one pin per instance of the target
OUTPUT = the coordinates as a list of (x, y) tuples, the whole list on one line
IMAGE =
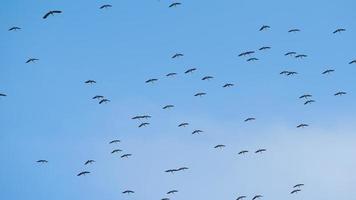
[(89, 162), (339, 30), (14, 28), (295, 191), (264, 27), (264, 48), (251, 59), (116, 150), (98, 97), (126, 155), (42, 161), (291, 53), (302, 125), (183, 124), (83, 173), (32, 60), (165, 199), (128, 192), (2, 95), (143, 124), (52, 12), (104, 101), (152, 80), (301, 56), (168, 106), (246, 53), (293, 30), (309, 102), (182, 168), (243, 152), (190, 70), (298, 185), (250, 119), (197, 132), (171, 74), (257, 197), (340, 93), (200, 94), (114, 141), (291, 73), (171, 170), (240, 197), (105, 6), (90, 82), (172, 191), (228, 85), (305, 96), (219, 146), (207, 78), (328, 71), (177, 55), (175, 4), (352, 62), (260, 150)]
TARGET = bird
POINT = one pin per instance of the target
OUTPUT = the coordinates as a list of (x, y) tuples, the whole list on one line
[(172, 191), (207, 78), (257, 197), (264, 48), (302, 125), (90, 81), (182, 168), (190, 70), (291, 73), (298, 185), (89, 162), (168, 106), (98, 97), (14, 28), (184, 124), (243, 152), (284, 72), (114, 141), (309, 102), (291, 53), (126, 155), (152, 80), (293, 30), (42, 161), (171, 74), (32, 60), (246, 53), (295, 191), (260, 150), (143, 124), (305, 96), (2, 95), (340, 93), (52, 12), (251, 59), (177, 55), (328, 71), (301, 56), (171, 170), (200, 94), (228, 85), (83, 173), (104, 101), (264, 27), (339, 30), (240, 197), (175, 4), (128, 192), (145, 116), (116, 150), (250, 119), (105, 6), (352, 62), (197, 132), (165, 199), (219, 146)]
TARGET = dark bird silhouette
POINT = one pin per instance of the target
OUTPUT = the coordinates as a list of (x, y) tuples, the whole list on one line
[(219, 146), (190, 70), (200, 94), (14, 28), (90, 81), (291, 73), (52, 12), (126, 155), (177, 55), (284, 72), (298, 185), (105, 6), (116, 150), (98, 97), (197, 132), (295, 191), (260, 150), (309, 102), (352, 62), (104, 101), (143, 124), (340, 93), (243, 152), (165, 199), (83, 173), (32, 60), (182, 168), (252, 59), (228, 85), (246, 53), (328, 71), (114, 141), (250, 119), (293, 30), (89, 162), (305, 96), (171, 74), (207, 78), (339, 30), (128, 192), (146, 116), (257, 197), (264, 48), (183, 124), (302, 125), (42, 161), (172, 191), (240, 197), (175, 4), (264, 27), (2, 95), (291, 53), (171, 170), (301, 56), (168, 106), (152, 80)]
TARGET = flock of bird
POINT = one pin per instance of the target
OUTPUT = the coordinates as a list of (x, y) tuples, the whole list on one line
[(143, 119)]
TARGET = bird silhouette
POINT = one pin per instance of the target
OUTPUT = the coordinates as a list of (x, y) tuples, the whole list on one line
[(260, 150), (114, 141), (240, 197), (219, 146), (252, 59), (264, 48), (152, 80), (305, 96), (168, 106), (143, 124), (295, 191), (104, 101), (339, 30), (228, 85), (2, 95), (128, 192), (246, 53), (14, 28), (32, 60), (250, 119), (301, 56), (175, 4), (52, 12), (89, 162), (42, 161), (291, 73), (105, 6), (309, 102), (207, 78), (291, 53), (257, 197), (83, 173), (172, 191), (98, 97), (197, 132), (126, 155), (177, 55), (264, 27), (171, 74), (182, 168), (302, 125), (298, 185), (293, 30), (90, 81), (328, 71), (183, 124), (340, 93), (190, 70), (200, 94), (352, 62), (243, 152), (171, 170), (116, 150)]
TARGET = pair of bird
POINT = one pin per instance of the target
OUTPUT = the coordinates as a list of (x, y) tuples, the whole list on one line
[(257, 151), (101, 98)]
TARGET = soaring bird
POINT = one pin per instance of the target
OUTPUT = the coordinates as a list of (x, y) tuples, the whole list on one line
[(243, 152), (246, 53), (146, 116), (114, 141), (250, 119), (172, 191), (152, 80), (126, 155), (2, 95), (291, 73), (83, 173), (14, 28), (197, 132), (260, 150), (339, 30), (42, 161), (52, 12), (190, 70), (199, 94), (184, 124), (309, 102), (168, 106), (171, 170), (32, 60), (264, 27), (219, 146), (293, 30), (116, 150), (301, 56), (264, 48), (298, 185), (251, 59), (89, 162), (352, 62), (328, 71), (291, 53), (128, 192), (177, 55), (171, 74), (98, 97), (284, 72), (339, 93), (105, 6), (143, 124), (90, 81), (302, 125), (305, 96), (137, 117), (104, 101), (207, 78), (295, 191), (240, 197), (257, 197), (182, 168), (175, 4), (228, 85)]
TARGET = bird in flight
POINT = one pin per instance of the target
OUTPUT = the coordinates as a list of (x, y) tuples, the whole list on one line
[(126, 155), (264, 48), (246, 53), (328, 71), (240, 197), (89, 162), (264, 27), (339, 30), (294, 30), (182, 168), (83, 173), (260, 150), (168, 106), (190, 70), (219, 146), (309, 102), (171, 170), (177, 55), (116, 150), (302, 125), (227, 85), (252, 59), (207, 78), (250, 119), (152, 80), (295, 191), (301, 56), (291, 53), (340, 93), (165, 199), (105, 6), (14, 28), (175, 4), (257, 197), (197, 132), (90, 81), (172, 191), (352, 62), (52, 12), (243, 152), (143, 124), (171, 74), (305, 96), (104, 101), (42, 161), (298, 185), (128, 192), (183, 124), (200, 94), (114, 141), (98, 97), (32, 60), (2, 95), (291, 73)]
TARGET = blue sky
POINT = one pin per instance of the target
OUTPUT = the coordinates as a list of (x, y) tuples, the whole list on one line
[(49, 114)]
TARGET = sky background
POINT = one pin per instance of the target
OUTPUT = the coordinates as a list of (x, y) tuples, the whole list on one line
[(49, 114)]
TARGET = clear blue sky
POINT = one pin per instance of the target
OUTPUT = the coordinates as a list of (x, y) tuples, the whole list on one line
[(49, 114)]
